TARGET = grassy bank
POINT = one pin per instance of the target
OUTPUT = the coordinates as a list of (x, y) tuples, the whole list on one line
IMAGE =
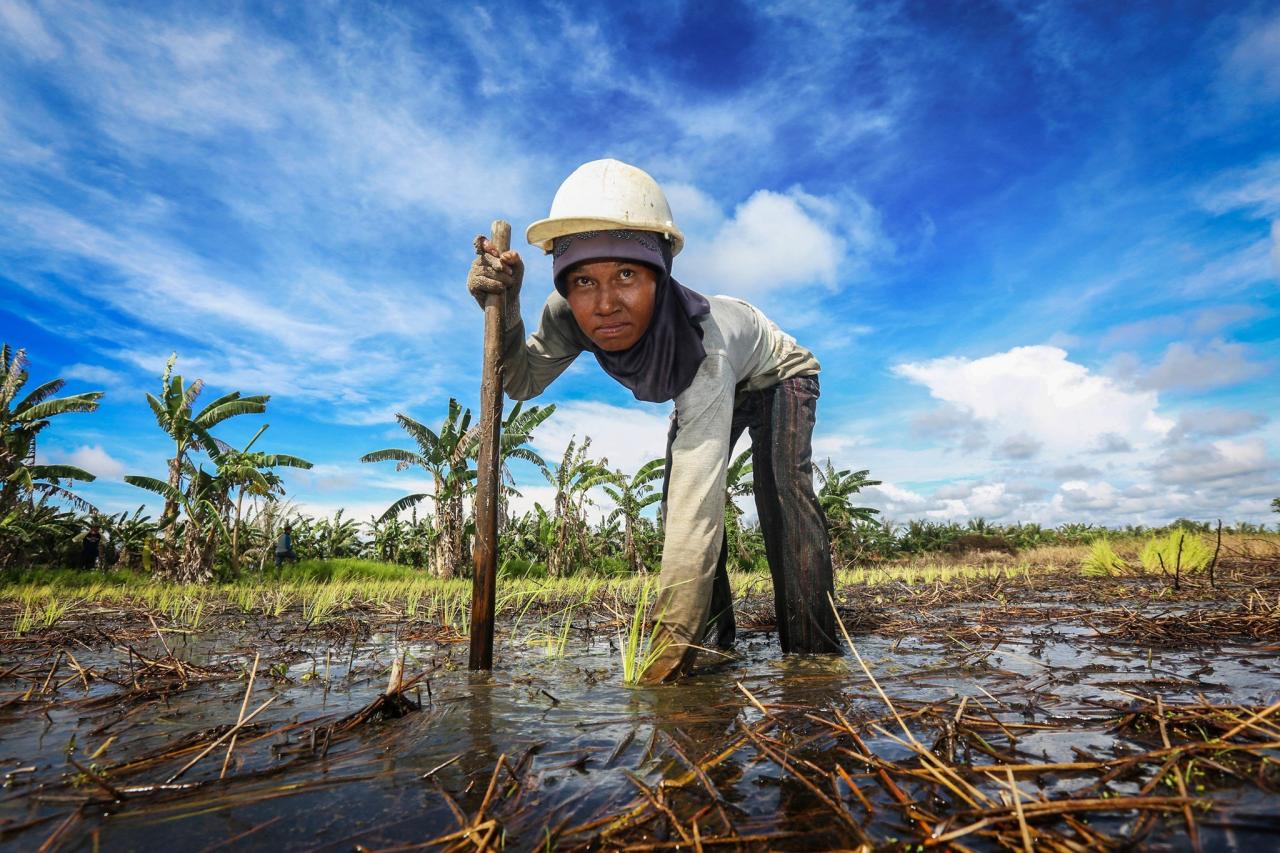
[(320, 591)]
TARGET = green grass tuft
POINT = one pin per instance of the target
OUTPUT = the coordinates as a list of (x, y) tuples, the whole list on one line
[(1103, 560), (1179, 548)]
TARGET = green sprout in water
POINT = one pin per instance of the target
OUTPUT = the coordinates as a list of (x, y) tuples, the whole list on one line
[(638, 651)]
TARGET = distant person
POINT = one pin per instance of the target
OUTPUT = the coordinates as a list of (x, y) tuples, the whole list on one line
[(91, 547), (284, 547), (727, 368)]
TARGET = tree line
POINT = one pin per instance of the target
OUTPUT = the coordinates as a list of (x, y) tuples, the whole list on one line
[(225, 506)]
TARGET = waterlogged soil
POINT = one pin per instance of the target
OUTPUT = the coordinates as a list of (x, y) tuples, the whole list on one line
[(101, 717)]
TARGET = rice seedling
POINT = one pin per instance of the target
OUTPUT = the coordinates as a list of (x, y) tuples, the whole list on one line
[(1179, 550), (1103, 560), (25, 620), (555, 644), (54, 609), (318, 604), (639, 652)]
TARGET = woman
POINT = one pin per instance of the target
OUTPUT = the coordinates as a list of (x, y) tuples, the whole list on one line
[(727, 368)]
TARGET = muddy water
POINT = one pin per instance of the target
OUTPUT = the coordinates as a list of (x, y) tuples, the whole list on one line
[(580, 740)]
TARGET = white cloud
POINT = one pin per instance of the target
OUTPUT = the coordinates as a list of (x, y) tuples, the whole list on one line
[(627, 437), (1019, 446), (1216, 423), (1217, 365), (23, 26), (776, 240), (1275, 247), (1037, 394), (1255, 189), (1216, 462), (1232, 271), (94, 373), (1199, 323), (1254, 61), (97, 461)]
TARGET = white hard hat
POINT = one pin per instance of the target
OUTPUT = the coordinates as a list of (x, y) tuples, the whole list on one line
[(606, 195)]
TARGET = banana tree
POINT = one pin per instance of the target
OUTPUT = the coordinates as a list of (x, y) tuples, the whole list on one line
[(738, 483), (189, 555), (336, 537), (631, 497), (173, 412), (129, 535), (21, 421), (445, 456), (517, 432), (573, 478), (250, 472)]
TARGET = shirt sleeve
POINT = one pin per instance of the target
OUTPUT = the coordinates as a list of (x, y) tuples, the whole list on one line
[(529, 366), (694, 516)]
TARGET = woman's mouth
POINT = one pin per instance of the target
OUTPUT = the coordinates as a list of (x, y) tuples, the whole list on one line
[(611, 330)]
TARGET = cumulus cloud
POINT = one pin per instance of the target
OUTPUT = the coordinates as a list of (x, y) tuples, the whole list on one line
[(1063, 443), (777, 240), (1215, 423), (627, 437), (1111, 442), (1215, 462), (1217, 365), (1038, 393), (951, 424), (1020, 446)]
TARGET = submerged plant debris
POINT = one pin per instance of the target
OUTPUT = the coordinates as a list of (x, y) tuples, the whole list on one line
[(999, 708)]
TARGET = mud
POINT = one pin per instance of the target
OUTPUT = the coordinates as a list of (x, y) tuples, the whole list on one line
[(1125, 722)]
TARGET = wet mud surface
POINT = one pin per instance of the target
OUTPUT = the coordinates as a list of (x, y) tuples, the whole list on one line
[(1117, 723)]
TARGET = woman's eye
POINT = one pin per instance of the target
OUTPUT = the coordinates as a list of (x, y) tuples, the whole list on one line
[(626, 274), (582, 282)]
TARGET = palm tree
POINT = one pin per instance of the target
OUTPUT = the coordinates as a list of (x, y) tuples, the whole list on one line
[(836, 497), (250, 471), (631, 497), (21, 421), (173, 413), (445, 456)]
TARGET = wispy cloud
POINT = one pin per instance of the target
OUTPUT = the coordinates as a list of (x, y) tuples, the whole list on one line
[(286, 197)]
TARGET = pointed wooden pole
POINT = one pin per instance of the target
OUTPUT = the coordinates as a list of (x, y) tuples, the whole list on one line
[(485, 550)]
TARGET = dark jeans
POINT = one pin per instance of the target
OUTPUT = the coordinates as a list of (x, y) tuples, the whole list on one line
[(281, 556), (780, 420)]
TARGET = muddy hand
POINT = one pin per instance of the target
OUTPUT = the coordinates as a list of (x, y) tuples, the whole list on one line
[(492, 272)]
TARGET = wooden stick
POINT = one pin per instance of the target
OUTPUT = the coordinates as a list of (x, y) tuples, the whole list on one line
[(485, 550)]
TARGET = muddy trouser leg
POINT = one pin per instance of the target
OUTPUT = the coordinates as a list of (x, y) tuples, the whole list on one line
[(791, 519), (721, 628)]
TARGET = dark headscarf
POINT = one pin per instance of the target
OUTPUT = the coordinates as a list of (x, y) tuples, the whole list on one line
[(663, 362)]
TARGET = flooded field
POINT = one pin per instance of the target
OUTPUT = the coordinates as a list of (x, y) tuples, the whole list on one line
[(981, 713)]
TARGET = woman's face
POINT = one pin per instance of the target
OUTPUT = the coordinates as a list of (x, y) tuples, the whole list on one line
[(612, 301)]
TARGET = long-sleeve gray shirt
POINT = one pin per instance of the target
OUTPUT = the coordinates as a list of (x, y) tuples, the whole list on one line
[(745, 352)]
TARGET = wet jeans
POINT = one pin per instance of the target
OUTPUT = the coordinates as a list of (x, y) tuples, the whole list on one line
[(780, 421)]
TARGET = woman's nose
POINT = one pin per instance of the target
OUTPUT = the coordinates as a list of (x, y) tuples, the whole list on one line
[(607, 303)]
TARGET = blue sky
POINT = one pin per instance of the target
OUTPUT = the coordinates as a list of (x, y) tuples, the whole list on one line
[(1036, 246)]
